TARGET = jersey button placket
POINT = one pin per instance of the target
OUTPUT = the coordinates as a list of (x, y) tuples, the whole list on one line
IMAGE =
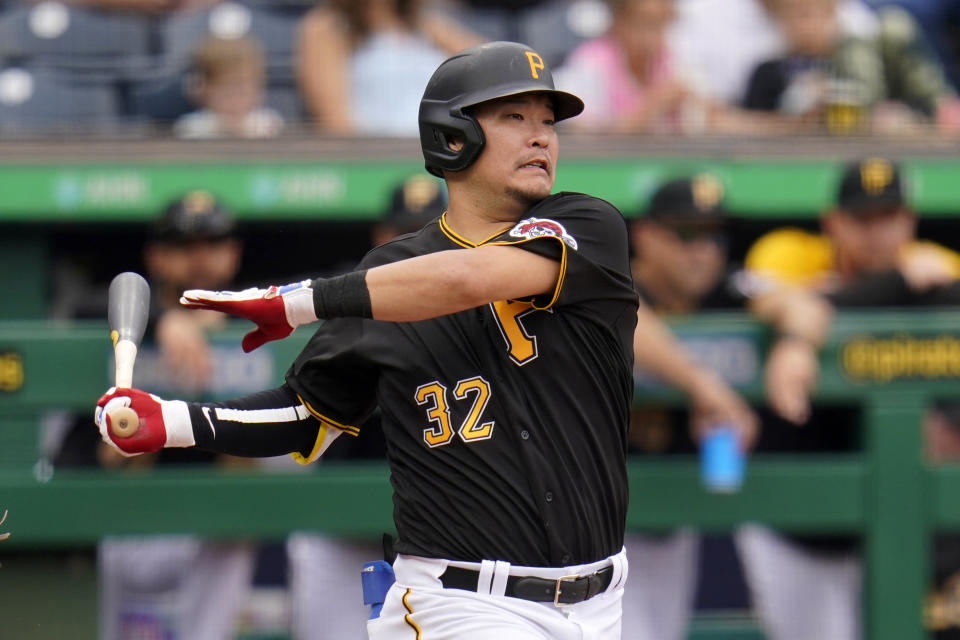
[(548, 496), (524, 435)]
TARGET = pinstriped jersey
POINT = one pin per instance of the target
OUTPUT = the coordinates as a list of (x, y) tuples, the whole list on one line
[(505, 424)]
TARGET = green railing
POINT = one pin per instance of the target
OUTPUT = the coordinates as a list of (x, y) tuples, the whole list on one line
[(891, 364), (315, 177)]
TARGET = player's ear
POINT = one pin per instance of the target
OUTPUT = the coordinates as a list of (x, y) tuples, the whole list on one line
[(455, 143)]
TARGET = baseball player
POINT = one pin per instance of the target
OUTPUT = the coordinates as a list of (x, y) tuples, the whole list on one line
[(498, 343)]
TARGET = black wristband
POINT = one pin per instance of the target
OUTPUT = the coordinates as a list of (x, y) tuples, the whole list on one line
[(342, 296)]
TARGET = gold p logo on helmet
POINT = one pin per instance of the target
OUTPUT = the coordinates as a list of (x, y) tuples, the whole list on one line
[(875, 175), (536, 64), (707, 191), (197, 202)]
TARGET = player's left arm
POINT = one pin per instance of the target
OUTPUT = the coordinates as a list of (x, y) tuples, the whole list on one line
[(408, 290), (450, 281)]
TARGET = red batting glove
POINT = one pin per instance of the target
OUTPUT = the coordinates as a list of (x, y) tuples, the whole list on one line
[(163, 423), (276, 311)]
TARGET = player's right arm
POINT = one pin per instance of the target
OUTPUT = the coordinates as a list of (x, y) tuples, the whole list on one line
[(657, 351), (264, 424), (785, 268)]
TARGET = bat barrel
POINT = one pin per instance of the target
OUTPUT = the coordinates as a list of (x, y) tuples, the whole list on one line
[(128, 307)]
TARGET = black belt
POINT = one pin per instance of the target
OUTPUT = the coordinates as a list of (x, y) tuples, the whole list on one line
[(565, 590)]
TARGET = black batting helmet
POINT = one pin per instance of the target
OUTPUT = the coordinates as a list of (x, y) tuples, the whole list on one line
[(475, 75)]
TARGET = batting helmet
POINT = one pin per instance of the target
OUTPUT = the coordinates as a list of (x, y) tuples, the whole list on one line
[(475, 75)]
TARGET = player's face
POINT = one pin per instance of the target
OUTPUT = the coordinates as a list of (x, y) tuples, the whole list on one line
[(690, 258), (640, 26), (234, 93), (867, 243), (520, 155), (810, 25), (203, 264)]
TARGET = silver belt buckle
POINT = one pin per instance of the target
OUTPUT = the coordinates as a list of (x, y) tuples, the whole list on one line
[(556, 590)]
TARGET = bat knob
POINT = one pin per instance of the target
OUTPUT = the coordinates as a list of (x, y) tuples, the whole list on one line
[(124, 422)]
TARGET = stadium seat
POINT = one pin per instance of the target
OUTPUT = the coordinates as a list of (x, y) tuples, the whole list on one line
[(288, 7), (36, 101), (552, 27), (54, 35), (163, 99), (276, 32), (492, 23), (285, 99), (160, 97), (555, 28)]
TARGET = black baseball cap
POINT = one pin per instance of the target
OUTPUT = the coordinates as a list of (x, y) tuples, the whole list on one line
[(196, 215), (870, 185), (695, 200), (415, 202)]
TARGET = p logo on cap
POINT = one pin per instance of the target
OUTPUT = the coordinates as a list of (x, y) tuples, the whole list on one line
[(875, 175), (536, 64)]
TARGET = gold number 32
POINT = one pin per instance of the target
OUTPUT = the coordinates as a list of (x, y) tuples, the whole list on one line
[(434, 395)]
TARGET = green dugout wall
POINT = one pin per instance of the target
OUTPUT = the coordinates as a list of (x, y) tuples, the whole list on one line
[(296, 179), (892, 364)]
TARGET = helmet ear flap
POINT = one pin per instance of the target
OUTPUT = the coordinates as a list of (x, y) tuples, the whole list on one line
[(439, 126)]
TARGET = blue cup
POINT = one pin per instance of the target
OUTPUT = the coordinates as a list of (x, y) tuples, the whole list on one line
[(721, 461)]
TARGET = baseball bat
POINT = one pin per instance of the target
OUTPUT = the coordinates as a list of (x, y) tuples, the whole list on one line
[(128, 306)]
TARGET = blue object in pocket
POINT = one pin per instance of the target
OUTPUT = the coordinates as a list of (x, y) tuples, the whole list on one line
[(376, 578)]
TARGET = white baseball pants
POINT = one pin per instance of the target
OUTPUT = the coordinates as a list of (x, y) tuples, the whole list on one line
[(417, 606)]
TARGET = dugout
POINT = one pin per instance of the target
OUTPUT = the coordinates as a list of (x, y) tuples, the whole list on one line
[(92, 205)]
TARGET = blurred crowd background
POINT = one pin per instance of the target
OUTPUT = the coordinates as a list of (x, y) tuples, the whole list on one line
[(672, 79), (257, 68)]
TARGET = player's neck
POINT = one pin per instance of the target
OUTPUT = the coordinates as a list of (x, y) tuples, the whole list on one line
[(478, 220)]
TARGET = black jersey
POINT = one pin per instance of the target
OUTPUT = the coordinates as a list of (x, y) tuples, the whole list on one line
[(505, 424)]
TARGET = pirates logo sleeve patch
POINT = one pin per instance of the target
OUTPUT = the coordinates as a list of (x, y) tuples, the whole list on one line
[(540, 227)]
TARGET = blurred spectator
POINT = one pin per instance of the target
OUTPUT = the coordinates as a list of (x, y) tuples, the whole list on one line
[(414, 203), (193, 246), (939, 21), (352, 55), (629, 74), (918, 89), (178, 586), (679, 267), (321, 565), (825, 76), (847, 84), (227, 81), (867, 256), (720, 42)]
